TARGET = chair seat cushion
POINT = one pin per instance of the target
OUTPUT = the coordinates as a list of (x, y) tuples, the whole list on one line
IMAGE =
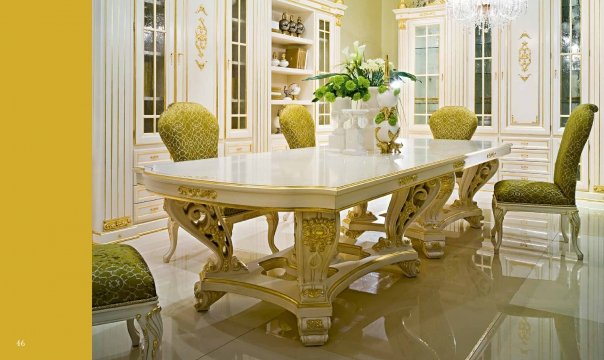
[(120, 277), (530, 192), (232, 211)]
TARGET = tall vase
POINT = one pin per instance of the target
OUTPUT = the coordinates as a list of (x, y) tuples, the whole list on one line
[(337, 139), (372, 104), (386, 133)]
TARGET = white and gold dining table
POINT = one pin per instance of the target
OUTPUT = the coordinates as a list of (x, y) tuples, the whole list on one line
[(316, 184)]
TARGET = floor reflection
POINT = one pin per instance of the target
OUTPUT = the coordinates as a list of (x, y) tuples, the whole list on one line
[(532, 301)]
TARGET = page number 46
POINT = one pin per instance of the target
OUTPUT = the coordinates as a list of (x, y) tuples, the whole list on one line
[(20, 343)]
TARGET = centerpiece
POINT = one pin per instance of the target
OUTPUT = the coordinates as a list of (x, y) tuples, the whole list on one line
[(364, 83)]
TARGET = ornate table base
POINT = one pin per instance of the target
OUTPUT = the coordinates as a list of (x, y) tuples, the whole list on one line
[(305, 278), (428, 232)]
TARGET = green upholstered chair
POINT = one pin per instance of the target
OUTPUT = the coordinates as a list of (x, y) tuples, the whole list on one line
[(190, 132), (123, 289), (557, 197), (453, 123), (297, 126)]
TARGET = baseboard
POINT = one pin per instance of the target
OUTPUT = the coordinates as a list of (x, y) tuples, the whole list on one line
[(131, 232)]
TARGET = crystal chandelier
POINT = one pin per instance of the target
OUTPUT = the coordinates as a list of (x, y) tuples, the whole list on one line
[(485, 14)]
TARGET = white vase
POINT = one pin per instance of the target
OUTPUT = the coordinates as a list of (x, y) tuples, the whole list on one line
[(385, 131), (372, 104)]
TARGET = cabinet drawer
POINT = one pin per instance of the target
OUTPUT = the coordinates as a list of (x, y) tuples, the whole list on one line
[(238, 148), (525, 166), (528, 155), (150, 156), (148, 211), (141, 194), (536, 144), (519, 176)]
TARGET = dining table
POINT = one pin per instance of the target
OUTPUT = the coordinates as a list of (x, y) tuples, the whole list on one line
[(317, 184)]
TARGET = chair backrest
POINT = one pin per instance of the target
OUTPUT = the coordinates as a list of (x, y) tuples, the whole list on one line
[(576, 133), (189, 131), (298, 126), (453, 123)]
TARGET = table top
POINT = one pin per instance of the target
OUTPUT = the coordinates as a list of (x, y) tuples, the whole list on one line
[(314, 177), (317, 167)]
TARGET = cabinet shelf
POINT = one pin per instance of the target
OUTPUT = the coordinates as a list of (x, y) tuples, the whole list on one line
[(291, 71), (291, 102), (283, 39)]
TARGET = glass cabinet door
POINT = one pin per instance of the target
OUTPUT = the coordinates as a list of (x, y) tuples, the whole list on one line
[(237, 123), (153, 57), (427, 68), (570, 83), (483, 86), (325, 33)]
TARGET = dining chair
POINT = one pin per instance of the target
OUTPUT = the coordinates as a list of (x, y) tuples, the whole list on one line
[(298, 126), (545, 197), (123, 289), (190, 132), (453, 123)]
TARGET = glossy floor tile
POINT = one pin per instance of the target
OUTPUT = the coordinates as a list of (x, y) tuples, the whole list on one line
[(532, 301)]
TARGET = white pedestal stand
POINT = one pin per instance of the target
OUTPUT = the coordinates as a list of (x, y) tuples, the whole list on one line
[(354, 134)]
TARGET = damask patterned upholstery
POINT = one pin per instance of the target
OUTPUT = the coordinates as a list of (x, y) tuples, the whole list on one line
[(453, 123), (530, 192), (298, 126), (189, 131), (573, 141), (120, 277), (562, 190)]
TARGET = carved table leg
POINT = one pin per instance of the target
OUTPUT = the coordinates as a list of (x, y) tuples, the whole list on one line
[(205, 223), (316, 241), (472, 181), (428, 229), (358, 213), (272, 219), (405, 207)]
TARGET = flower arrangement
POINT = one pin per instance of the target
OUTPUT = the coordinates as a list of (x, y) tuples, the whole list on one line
[(358, 75)]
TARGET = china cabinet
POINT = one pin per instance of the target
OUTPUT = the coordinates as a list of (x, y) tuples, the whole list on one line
[(148, 54), (522, 81)]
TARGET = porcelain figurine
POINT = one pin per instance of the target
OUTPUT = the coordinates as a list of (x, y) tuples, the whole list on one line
[(275, 61), (299, 27), (292, 25), (283, 62), (283, 24)]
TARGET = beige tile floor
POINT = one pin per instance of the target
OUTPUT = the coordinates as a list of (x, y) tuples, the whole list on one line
[(527, 303)]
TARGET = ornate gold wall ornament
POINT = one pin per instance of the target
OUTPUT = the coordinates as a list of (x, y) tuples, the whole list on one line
[(599, 188), (318, 233), (315, 324), (201, 37), (402, 5), (197, 193), (458, 165), (338, 20), (117, 223), (407, 179), (524, 58), (402, 24)]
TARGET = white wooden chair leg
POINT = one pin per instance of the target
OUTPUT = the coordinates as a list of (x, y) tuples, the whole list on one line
[(136, 340), (575, 223), (152, 327), (273, 221), (497, 231), (564, 226), (173, 234)]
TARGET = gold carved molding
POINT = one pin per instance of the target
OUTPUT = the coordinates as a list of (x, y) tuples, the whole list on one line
[(407, 180), (197, 193), (599, 189), (524, 58), (117, 223), (201, 37), (458, 166), (402, 24), (491, 155), (339, 20), (318, 233)]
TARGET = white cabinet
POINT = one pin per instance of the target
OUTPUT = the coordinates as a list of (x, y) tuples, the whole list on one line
[(522, 81), (148, 54)]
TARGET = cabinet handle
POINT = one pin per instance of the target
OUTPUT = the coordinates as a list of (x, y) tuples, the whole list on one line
[(154, 157), (523, 155), (153, 209), (524, 167), (556, 74)]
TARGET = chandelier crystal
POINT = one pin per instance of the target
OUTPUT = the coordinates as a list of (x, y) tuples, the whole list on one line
[(485, 14)]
